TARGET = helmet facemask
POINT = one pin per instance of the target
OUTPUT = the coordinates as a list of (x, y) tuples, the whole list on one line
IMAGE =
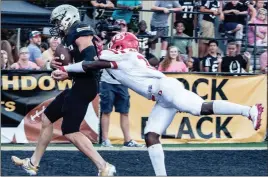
[(62, 18), (58, 29)]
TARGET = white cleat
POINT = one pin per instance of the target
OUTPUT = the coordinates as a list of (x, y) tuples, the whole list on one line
[(25, 164), (255, 115), (108, 171)]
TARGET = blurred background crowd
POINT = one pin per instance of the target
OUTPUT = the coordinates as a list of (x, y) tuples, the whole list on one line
[(174, 36), (181, 36)]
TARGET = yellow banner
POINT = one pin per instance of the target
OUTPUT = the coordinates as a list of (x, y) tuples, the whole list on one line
[(185, 128)]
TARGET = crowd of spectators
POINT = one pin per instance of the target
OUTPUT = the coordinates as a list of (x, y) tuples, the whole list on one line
[(35, 55), (229, 19)]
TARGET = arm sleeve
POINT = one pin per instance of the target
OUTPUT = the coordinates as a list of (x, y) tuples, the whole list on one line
[(83, 30), (86, 66), (76, 68), (218, 5), (206, 63), (206, 4)]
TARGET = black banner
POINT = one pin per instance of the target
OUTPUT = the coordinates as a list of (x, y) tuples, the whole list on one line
[(23, 91), (25, 96)]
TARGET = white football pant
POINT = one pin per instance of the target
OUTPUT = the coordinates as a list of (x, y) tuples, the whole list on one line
[(171, 97)]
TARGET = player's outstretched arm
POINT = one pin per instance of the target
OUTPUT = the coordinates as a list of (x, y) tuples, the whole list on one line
[(85, 66), (100, 64)]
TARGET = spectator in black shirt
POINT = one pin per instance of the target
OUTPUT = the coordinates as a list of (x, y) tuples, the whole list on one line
[(193, 64), (188, 18), (234, 63), (207, 25), (248, 6), (210, 62), (235, 16), (232, 20), (145, 39), (97, 13)]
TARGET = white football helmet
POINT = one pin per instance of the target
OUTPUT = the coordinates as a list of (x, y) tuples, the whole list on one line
[(63, 17)]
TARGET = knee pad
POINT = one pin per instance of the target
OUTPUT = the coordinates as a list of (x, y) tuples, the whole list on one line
[(151, 138), (207, 108)]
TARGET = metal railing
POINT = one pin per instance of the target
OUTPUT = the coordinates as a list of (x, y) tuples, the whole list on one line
[(171, 37), (83, 10), (255, 45)]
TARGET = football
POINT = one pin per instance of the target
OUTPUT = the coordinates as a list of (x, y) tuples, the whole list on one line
[(33, 122), (63, 54)]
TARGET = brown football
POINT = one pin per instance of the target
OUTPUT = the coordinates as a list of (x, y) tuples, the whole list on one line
[(33, 123), (64, 55)]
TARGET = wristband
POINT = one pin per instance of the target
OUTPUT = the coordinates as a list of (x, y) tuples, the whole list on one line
[(113, 65)]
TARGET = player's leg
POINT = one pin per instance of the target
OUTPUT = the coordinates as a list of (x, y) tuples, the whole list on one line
[(186, 101), (31, 165), (159, 119), (106, 103), (74, 110), (52, 113), (220, 107), (43, 141)]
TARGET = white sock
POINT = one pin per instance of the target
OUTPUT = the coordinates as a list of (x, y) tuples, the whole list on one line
[(163, 53), (226, 108), (157, 157)]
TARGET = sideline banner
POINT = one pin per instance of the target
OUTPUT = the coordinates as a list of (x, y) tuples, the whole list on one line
[(25, 96), (185, 128)]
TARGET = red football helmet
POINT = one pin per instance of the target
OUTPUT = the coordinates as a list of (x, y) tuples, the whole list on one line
[(124, 40)]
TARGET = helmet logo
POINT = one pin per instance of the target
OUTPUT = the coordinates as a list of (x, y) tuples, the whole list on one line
[(62, 57), (118, 37)]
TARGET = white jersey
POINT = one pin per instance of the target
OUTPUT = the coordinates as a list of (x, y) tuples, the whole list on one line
[(133, 70)]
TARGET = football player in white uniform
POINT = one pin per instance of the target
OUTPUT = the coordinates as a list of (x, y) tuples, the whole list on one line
[(130, 68)]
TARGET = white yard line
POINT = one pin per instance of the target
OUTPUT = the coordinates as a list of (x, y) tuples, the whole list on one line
[(14, 148)]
